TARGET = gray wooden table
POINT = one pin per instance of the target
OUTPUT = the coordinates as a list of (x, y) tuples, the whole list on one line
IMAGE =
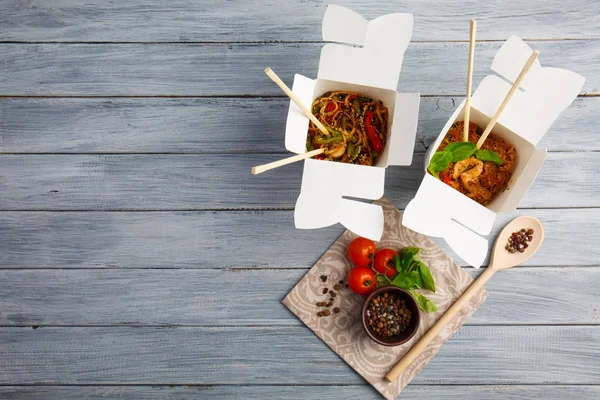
[(140, 259)]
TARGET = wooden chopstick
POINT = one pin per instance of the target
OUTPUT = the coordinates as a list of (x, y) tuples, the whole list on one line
[(469, 80), (259, 169), (296, 100), (509, 95)]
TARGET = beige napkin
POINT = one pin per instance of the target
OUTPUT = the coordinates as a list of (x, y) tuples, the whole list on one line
[(343, 332)]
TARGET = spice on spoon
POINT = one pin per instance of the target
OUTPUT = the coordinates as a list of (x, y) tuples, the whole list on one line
[(519, 241)]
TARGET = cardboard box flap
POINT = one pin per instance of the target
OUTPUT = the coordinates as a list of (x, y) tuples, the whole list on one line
[(449, 219), (400, 147), (378, 62), (454, 205), (511, 57), (321, 202), (547, 92), (344, 25), (524, 181), (297, 124)]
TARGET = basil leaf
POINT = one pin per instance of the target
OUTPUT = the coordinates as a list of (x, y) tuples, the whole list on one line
[(417, 279), (439, 162), (407, 280), (428, 282), (433, 172), (398, 264), (424, 303), (414, 265), (489, 155), (461, 150), (407, 255), (410, 250)]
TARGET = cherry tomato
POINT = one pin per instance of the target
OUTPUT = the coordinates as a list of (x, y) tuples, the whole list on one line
[(384, 262), (361, 251), (361, 280)]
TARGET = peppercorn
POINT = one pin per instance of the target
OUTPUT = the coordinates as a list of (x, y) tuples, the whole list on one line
[(323, 278), (518, 241), (325, 290), (336, 310), (337, 286), (388, 315)]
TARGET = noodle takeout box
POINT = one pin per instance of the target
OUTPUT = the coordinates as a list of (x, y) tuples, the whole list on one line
[(440, 211), (371, 69)]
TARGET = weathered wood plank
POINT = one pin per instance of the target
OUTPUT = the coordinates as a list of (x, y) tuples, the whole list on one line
[(255, 355), (237, 69), (350, 392), (184, 20), (213, 125), (211, 297), (201, 182), (211, 239)]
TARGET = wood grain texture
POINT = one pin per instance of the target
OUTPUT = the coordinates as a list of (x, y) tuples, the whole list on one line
[(185, 20), (201, 182), (220, 275), (212, 297), (237, 69), (349, 392), (266, 239), (263, 355), (213, 125)]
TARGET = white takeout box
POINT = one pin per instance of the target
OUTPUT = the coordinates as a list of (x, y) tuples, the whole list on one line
[(372, 70), (440, 211)]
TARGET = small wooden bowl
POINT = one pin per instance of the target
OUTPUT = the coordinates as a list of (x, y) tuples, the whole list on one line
[(410, 330)]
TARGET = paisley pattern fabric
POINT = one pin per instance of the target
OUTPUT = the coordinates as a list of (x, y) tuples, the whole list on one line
[(343, 332)]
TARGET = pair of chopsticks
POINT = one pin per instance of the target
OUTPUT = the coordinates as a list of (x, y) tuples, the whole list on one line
[(507, 98), (259, 169), (418, 347)]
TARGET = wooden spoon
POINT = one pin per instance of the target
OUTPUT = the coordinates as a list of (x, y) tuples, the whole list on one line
[(501, 259)]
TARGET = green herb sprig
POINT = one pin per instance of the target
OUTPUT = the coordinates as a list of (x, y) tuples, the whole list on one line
[(459, 151), (411, 274)]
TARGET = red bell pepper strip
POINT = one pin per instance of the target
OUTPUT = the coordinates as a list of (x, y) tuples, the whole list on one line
[(445, 178), (371, 134)]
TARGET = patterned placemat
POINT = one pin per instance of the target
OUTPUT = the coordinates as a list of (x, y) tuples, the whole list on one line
[(343, 331)]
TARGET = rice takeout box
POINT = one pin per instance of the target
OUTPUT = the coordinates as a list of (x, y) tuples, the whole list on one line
[(439, 210), (371, 69)]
